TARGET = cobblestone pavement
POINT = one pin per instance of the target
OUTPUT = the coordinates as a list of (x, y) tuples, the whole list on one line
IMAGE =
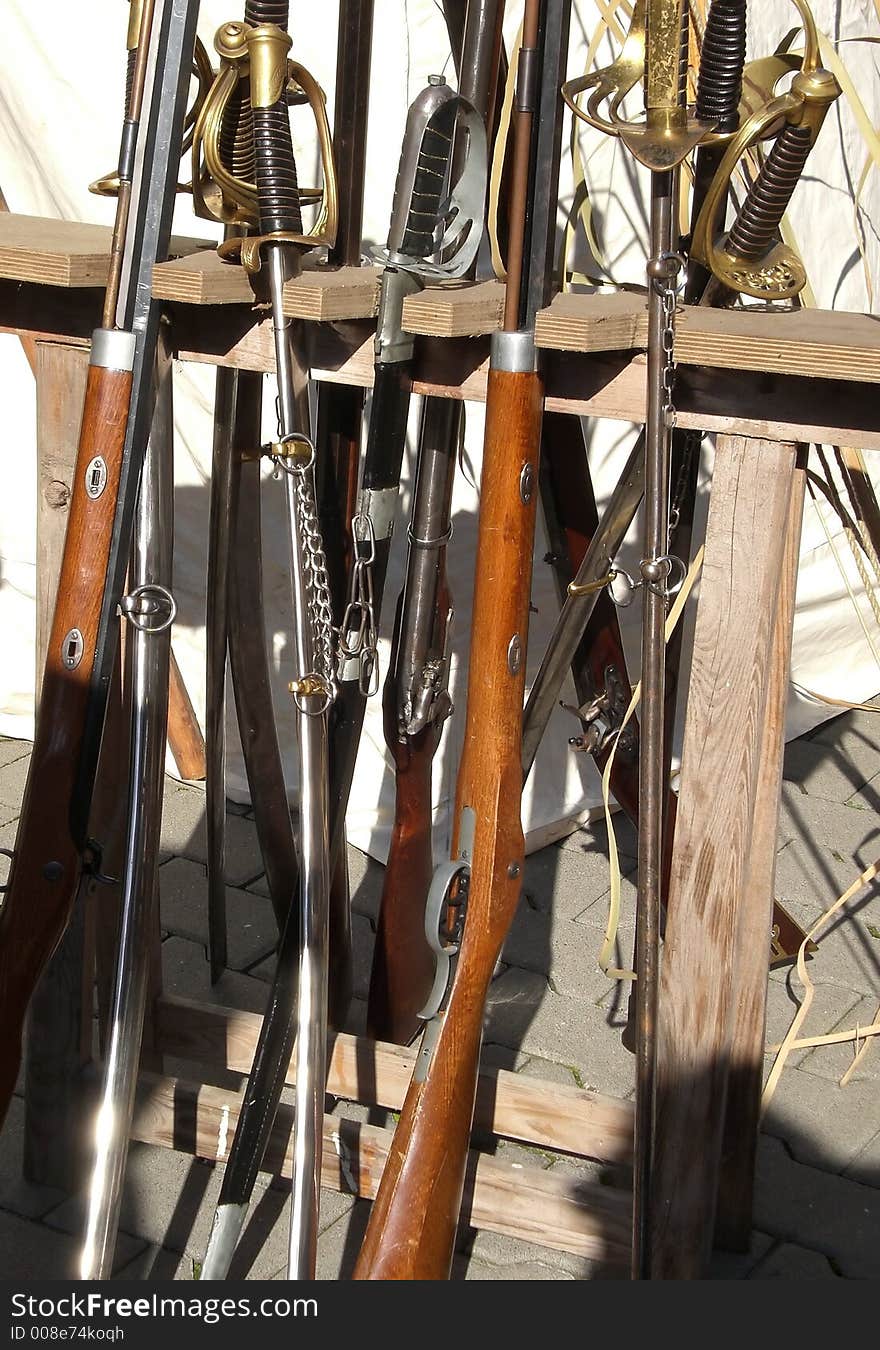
[(552, 1015)]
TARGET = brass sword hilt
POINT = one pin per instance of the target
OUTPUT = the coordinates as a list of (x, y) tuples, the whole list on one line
[(745, 259), (254, 65), (650, 55)]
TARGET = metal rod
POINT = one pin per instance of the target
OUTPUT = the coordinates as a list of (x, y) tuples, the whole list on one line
[(129, 135), (520, 175), (216, 635), (576, 611), (651, 759)]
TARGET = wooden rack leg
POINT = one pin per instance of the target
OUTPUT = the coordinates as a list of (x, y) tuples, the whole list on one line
[(733, 1222), (59, 1038), (727, 694)]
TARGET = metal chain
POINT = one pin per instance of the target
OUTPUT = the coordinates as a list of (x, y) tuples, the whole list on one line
[(692, 442), (320, 615), (359, 633), (669, 301), (669, 288)]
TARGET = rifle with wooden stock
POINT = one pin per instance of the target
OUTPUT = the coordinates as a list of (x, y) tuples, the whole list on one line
[(411, 1230), (53, 849), (415, 701)]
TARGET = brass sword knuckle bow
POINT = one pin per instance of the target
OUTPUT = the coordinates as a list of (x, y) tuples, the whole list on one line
[(650, 55), (774, 272), (255, 67)]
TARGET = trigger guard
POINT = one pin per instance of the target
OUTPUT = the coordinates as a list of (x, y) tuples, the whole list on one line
[(438, 900)]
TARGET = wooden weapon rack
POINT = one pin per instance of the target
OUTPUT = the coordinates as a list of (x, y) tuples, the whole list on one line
[(767, 383)]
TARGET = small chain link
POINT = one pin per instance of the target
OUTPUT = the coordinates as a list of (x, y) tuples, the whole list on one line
[(359, 633), (692, 443), (668, 289), (668, 406)]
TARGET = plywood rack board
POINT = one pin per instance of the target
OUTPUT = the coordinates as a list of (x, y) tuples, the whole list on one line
[(802, 376)]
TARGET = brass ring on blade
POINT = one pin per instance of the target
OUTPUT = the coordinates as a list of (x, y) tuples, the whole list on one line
[(294, 453), (309, 687)]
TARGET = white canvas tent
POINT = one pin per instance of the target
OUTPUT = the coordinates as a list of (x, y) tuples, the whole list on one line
[(60, 113)]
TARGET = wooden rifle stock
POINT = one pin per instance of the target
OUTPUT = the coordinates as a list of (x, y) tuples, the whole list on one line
[(46, 867), (403, 967), (412, 1226)]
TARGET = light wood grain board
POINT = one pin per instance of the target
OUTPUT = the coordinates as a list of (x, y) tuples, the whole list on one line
[(64, 252), (720, 770), (323, 296), (561, 1211), (602, 384), (733, 1223), (816, 343), (549, 1115), (455, 311)]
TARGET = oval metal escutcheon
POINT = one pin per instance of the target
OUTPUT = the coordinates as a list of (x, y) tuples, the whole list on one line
[(514, 654), (96, 477), (72, 649)]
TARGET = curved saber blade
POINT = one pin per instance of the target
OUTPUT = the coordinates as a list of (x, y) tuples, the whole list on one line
[(216, 631), (147, 659)]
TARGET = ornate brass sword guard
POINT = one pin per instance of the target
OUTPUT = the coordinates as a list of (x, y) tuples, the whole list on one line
[(779, 273), (650, 55), (258, 55), (668, 134)]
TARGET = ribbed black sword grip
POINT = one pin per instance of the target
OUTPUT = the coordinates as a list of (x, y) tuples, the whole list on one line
[(237, 135), (684, 52), (277, 189), (429, 183), (267, 11), (129, 78), (770, 194), (723, 54)]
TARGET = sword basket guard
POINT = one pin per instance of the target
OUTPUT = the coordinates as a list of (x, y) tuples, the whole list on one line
[(228, 197)]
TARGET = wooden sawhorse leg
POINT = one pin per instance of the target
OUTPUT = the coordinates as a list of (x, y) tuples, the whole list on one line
[(715, 895), (733, 1221)]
